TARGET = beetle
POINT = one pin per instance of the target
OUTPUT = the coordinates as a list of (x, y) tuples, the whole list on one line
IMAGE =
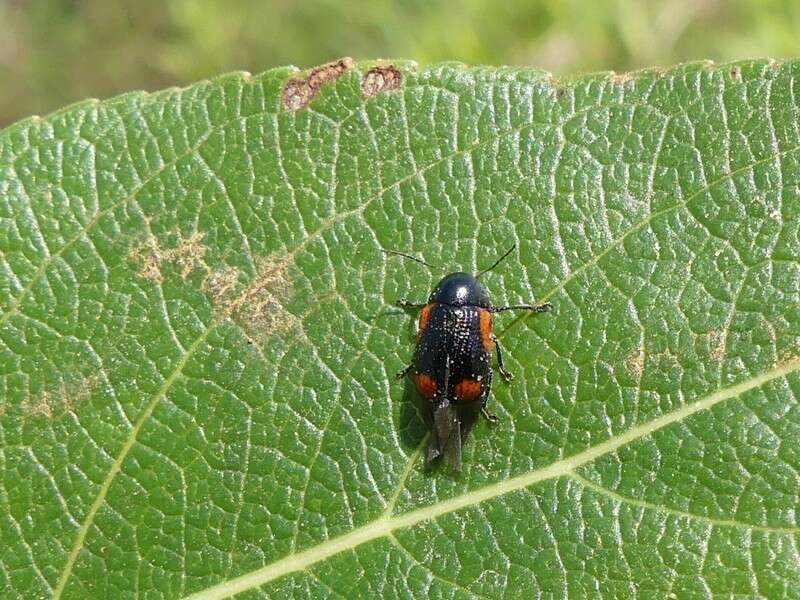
[(452, 366)]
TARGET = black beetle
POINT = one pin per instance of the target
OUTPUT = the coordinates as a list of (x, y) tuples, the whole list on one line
[(452, 368)]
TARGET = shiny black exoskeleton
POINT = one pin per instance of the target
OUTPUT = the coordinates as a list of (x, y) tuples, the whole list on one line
[(452, 366)]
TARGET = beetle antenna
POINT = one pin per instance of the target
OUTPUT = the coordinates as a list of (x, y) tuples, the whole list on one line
[(497, 262), (404, 255)]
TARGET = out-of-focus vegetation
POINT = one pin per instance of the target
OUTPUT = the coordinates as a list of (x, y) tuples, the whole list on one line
[(53, 52)]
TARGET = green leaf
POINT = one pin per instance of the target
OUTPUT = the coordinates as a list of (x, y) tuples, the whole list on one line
[(198, 337)]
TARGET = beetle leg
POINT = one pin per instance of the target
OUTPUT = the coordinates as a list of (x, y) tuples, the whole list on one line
[(544, 307), (507, 375), (491, 417), (404, 303), (404, 372)]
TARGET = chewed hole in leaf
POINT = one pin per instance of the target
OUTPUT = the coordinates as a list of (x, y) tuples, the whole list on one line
[(667, 375), (381, 79), (299, 92)]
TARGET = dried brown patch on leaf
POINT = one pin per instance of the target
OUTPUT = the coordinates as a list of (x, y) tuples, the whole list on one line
[(258, 305), (716, 341), (221, 285), (298, 93), (788, 357), (68, 393), (620, 78), (381, 79), (634, 362), (187, 256)]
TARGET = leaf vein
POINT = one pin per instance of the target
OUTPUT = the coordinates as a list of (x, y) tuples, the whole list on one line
[(712, 521), (640, 225), (383, 527), (120, 458)]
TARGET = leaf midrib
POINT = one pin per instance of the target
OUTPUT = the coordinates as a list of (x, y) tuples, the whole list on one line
[(133, 435), (384, 527), (326, 225), (128, 445)]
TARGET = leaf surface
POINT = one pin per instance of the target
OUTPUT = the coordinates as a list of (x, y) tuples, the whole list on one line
[(198, 338)]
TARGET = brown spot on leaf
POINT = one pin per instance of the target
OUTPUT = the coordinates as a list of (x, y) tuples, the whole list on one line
[(187, 256), (257, 306), (221, 285), (620, 78), (788, 357), (635, 362), (380, 79), (298, 93), (61, 397), (716, 341)]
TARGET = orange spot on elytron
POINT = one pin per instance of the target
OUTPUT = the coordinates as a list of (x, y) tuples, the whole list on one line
[(486, 329), (426, 385), (468, 389), (423, 316)]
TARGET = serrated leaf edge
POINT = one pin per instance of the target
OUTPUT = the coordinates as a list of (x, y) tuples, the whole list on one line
[(131, 440)]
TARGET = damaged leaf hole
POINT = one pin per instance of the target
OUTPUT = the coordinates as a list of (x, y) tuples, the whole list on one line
[(380, 79), (298, 93)]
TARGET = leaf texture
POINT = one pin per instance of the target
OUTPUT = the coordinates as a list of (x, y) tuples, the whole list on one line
[(198, 338)]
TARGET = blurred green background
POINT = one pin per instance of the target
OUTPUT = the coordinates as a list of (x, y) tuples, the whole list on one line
[(53, 52)]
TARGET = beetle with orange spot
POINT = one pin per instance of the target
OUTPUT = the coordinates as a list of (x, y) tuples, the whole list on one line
[(452, 368)]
